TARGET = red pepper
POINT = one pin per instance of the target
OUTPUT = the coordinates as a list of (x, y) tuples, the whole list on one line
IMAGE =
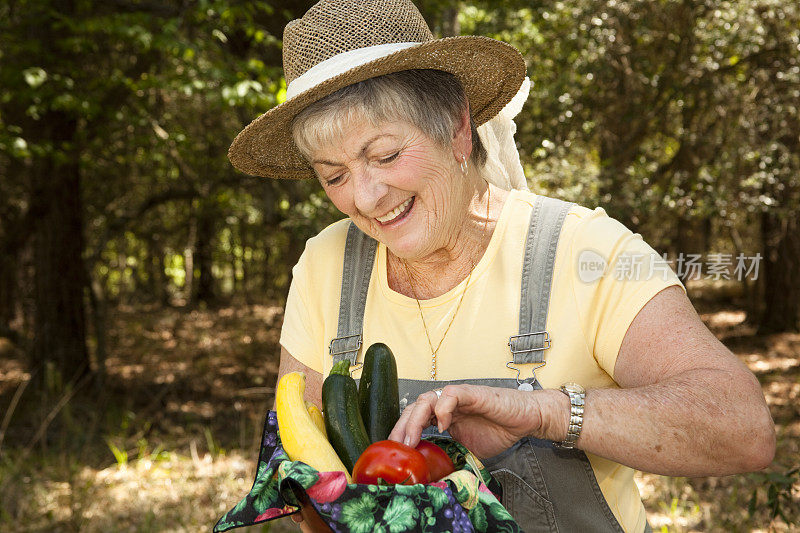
[(439, 463), (387, 462)]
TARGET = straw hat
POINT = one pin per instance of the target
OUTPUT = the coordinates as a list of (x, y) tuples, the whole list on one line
[(341, 42)]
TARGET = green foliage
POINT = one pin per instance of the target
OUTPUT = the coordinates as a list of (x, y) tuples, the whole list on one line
[(213, 446), (777, 490), (120, 455), (655, 107), (663, 112), (158, 92)]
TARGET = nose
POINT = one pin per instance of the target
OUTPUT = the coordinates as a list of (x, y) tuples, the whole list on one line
[(368, 190)]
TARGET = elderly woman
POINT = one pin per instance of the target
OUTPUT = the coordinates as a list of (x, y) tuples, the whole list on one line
[(563, 379)]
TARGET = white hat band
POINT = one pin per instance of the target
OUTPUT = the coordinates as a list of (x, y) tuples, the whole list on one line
[(341, 63)]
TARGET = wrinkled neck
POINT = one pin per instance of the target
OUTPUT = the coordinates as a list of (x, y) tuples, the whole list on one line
[(441, 271)]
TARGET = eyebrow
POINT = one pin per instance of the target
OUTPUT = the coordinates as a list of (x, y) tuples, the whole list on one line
[(360, 152)]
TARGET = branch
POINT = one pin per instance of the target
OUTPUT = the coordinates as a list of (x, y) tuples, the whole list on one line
[(119, 223), (711, 74), (20, 229), (161, 9)]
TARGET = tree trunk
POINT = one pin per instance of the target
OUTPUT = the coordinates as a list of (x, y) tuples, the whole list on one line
[(707, 235), (160, 292), (613, 186), (8, 294), (690, 239), (450, 25), (243, 261), (749, 286), (188, 260), (269, 232), (204, 257), (59, 346), (97, 300), (781, 264), (153, 269)]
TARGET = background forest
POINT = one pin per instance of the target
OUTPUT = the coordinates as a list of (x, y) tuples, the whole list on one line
[(142, 278)]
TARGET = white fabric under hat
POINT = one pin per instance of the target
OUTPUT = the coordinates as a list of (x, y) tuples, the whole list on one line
[(503, 166)]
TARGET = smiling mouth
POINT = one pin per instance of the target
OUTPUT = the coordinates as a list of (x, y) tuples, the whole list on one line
[(396, 213)]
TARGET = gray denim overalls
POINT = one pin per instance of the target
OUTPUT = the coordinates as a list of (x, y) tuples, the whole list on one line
[(545, 488)]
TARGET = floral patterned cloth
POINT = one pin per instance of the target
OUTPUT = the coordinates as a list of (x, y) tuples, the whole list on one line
[(461, 502)]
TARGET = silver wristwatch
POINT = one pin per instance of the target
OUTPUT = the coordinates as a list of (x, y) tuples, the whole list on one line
[(576, 394)]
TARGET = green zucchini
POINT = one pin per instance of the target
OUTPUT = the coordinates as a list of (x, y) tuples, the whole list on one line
[(378, 394), (346, 431)]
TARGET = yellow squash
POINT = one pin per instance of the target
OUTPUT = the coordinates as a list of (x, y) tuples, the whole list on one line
[(316, 417), (302, 440)]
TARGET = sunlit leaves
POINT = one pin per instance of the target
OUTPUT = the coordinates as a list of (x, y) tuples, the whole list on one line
[(34, 76), (687, 108), (670, 95)]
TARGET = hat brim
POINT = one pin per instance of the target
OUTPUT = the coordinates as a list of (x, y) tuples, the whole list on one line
[(491, 72)]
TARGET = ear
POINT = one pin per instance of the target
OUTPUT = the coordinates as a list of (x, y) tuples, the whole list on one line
[(462, 136)]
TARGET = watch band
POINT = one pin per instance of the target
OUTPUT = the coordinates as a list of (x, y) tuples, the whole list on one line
[(577, 395)]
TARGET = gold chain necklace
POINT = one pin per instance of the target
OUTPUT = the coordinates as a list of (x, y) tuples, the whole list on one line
[(434, 352)]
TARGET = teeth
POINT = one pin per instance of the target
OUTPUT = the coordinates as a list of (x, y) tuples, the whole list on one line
[(394, 213)]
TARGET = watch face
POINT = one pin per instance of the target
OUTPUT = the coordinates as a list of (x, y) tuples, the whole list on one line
[(574, 387)]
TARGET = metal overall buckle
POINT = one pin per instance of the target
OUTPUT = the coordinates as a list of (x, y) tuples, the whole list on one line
[(354, 366), (527, 384)]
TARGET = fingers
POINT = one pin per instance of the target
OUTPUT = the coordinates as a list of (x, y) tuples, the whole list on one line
[(431, 409), (398, 433), (297, 518), (459, 399), (421, 417), (445, 407), (414, 419)]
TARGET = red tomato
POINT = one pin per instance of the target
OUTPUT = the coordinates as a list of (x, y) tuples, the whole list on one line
[(390, 462), (439, 463)]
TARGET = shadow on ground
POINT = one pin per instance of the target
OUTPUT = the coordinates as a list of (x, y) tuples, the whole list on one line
[(169, 442)]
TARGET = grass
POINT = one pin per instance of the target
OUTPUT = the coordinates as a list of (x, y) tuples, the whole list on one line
[(169, 442)]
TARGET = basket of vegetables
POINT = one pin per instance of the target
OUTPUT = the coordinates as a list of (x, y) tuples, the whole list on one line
[(337, 468)]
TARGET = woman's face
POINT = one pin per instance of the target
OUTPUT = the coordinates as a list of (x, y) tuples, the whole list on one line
[(397, 185)]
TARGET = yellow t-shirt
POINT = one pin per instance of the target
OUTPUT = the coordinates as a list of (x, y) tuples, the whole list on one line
[(603, 275)]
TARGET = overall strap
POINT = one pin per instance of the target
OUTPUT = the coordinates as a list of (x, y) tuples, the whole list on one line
[(359, 257), (541, 243)]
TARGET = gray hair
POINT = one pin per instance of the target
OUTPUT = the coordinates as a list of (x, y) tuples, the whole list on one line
[(431, 100)]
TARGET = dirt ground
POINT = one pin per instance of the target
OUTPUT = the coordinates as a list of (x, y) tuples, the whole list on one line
[(169, 441)]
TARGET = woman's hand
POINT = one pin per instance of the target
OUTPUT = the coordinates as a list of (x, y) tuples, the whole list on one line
[(487, 420), (297, 518)]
